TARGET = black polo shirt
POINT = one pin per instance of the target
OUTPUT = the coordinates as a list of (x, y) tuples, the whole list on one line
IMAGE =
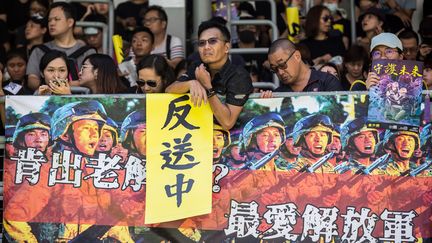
[(318, 81), (231, 81)]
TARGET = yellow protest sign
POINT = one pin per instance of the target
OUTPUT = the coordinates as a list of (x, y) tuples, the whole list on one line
[(179, 158), (293, 22)]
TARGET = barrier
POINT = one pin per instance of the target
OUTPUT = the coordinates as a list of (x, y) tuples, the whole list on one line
[(263, 194)]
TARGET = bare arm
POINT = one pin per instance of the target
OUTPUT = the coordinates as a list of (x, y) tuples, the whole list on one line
[(33, 82), (225, 114)]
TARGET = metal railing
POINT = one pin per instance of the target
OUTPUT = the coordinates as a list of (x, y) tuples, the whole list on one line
[(275, 34)]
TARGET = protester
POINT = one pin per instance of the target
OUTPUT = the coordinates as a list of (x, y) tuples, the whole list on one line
[(16, 61), (410, 44), (356, 63), (294, 74), (330, 68), (154, 74), (169, 46), (61, 22), (323, 43), (204, 80), (54, 72)]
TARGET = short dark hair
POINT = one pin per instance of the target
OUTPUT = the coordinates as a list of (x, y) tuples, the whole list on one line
[(51, 55), (16, 53), (160, 66), (161, 12), (68, 10), (313, 20), (212, 24), (146, 30), (409, 34), (282, 43)]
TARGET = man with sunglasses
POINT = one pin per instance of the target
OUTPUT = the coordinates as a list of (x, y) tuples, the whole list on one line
[(215, 75), (294, 74)]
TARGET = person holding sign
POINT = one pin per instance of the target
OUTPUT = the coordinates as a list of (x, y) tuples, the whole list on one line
[(383, 46), (215, 75)]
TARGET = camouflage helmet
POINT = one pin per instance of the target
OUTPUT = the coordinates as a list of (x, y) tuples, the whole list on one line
[(226, 134), (336, 131), (390, 136), (314, 122), (9, 133), (270, 119), (112, 126), (132, 121), (28, 122), (426, 135), (351, 128), (64, 116)]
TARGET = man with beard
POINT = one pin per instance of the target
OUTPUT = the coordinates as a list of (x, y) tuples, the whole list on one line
[(221, 139), (401, 145), (313, 133), (261, 139), (288, 152), (358, 141)]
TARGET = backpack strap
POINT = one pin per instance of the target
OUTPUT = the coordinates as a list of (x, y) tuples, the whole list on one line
[(42, 47), (168, 47), (79, 52)]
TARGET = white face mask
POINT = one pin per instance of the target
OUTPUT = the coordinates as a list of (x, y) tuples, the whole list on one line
[(331, 6)]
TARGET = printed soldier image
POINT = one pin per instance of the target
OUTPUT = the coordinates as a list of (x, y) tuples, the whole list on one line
[(9, 147), (288, 152), (221, 139), (32, 131), (335, 146), (359, 142), (133, 133), (109, 137), (77, 126), (426, 141), (261, 139), (234, 158), (313, 133), (401, 145)]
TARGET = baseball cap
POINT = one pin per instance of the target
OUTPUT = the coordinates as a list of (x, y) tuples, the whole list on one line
[(386, 39), (90, 31)]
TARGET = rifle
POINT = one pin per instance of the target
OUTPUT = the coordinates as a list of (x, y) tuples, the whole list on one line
[(378, 162), (316, 165)]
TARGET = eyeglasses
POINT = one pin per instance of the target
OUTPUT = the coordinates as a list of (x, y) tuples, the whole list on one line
[(283, 65), (387, 52), (211, 41), (150, 20), (84, 66), (151, 83), (327, 18)]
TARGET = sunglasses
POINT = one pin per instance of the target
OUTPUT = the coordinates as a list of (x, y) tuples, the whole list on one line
[(151, 83), (282, 66), (327, 18), (211, 41)]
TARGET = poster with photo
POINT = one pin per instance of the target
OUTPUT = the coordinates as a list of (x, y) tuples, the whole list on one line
[(395, 102)]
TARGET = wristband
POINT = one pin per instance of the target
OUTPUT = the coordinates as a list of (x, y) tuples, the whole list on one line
[(210, 92)]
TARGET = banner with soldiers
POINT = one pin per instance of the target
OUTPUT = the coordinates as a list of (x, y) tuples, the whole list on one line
[(293, 169)]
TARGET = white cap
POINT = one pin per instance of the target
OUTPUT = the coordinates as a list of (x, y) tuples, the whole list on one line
[(90, 31), (386, 39)]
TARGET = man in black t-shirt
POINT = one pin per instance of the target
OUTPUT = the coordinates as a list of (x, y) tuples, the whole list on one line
[(215, 75), (294, 74)]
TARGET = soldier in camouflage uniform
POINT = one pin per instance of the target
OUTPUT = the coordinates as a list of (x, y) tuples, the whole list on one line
[(313, 133), (358, 142), (288, 152)]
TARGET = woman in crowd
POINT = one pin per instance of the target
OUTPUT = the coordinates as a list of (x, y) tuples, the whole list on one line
[(154, 74), (372, 24), (330, 68), (356, 63), (54, 73), (16, 62), (322, 41), (35, 32)]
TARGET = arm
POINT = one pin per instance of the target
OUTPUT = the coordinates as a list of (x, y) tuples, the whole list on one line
[(225, 114), (197, 91)]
